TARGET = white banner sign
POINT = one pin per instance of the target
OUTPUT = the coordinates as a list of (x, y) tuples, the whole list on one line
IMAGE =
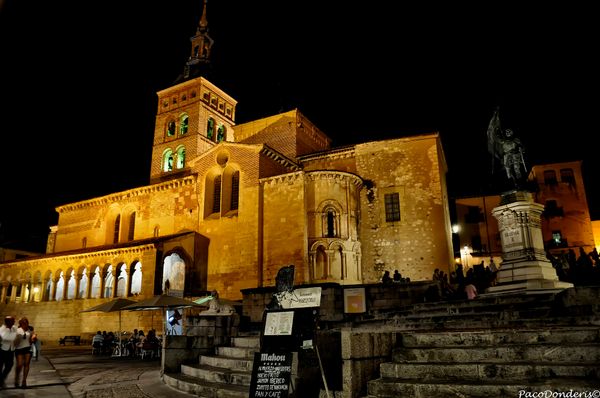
[(302, 298)]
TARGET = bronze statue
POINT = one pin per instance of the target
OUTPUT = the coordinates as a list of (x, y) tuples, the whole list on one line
[(508, 149)]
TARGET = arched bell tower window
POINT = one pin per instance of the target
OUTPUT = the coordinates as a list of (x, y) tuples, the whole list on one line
[(183, 124), (171, 127), (210, 128), (168, 161), (221, 133), (180, 158)]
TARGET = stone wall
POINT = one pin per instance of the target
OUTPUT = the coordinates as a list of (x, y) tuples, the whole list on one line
[(379, 298)]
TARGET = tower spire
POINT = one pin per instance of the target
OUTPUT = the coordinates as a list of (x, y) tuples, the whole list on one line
[(202, 43), (203, 25)]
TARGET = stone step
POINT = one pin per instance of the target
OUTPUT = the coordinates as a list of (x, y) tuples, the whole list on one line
[(203, 388), (236, 352), (389, 387), (482, 322), (484, 372), (507, 336), (227, 362), (489, 301), (582, 353), (217, 375), (246, 341)]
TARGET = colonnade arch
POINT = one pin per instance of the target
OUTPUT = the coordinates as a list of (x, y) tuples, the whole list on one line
[(108, 280)]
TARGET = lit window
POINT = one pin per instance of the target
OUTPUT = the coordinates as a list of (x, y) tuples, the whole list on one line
[(168, 161), (181, 158), (220, 133), (556, 237), (170, 129), (210, 128), (183, 124)]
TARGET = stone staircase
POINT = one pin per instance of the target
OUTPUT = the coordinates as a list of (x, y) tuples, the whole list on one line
[(491, 363), (493, 347), (226, 374)]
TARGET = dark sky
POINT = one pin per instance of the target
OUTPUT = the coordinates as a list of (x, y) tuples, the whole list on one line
[(78, 83)]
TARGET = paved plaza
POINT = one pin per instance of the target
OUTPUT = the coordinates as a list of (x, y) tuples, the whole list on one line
[(65, 372)]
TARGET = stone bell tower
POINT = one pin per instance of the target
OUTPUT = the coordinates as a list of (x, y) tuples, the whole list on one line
[(193, 115)]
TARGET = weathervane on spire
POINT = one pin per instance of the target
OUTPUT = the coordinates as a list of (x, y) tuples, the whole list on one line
[(508, 149)]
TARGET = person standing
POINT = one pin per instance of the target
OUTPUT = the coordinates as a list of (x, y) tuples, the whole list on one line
[(22, 352), (35, 344), (8, 334)]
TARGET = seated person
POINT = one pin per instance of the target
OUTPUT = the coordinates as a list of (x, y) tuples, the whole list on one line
[(150, 342), (97, 342), (109, 340)]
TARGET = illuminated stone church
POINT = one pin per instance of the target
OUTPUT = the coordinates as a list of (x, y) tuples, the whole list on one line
[(229, 204)]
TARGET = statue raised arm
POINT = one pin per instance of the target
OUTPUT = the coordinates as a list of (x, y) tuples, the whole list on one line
[(508, 149)]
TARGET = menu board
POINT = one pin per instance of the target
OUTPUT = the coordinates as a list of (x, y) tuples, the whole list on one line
[(279, 323), (271, 375)]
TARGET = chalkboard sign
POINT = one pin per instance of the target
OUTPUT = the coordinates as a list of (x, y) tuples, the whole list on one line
[(271, 375)]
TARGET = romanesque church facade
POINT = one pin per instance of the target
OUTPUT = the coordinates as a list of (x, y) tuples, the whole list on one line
[(229, 204)]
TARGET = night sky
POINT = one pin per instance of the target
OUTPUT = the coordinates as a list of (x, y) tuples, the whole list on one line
[(78, 83)]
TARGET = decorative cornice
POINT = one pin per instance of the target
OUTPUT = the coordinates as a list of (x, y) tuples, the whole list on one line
[(334, 175), (279, 158), (131, 193), (313, 175), (332, 154), (82, 257), (282, 178)]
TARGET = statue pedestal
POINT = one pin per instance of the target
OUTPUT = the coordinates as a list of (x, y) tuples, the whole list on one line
[(524, 264)]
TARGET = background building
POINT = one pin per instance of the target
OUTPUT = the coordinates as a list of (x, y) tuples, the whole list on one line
[(566, 222)]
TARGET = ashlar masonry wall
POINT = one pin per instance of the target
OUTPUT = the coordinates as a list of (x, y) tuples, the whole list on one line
[(413, 168)]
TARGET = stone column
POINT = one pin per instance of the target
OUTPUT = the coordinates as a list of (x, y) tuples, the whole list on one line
[(53, 290), (77, 284), (65, 292), (3, 294), (127, 282), (102, 275), (44, 294), (524, 264)]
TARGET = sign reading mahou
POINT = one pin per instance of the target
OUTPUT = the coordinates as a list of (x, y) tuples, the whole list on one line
[(271, 375)]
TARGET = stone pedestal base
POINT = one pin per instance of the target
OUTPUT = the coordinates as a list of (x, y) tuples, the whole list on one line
[(525, 267), (530, 276)]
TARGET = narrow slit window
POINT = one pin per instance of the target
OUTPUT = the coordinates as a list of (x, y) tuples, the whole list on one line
[(131, 231), (117, 227), (217, 195), (235, 190), (330, 224)]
